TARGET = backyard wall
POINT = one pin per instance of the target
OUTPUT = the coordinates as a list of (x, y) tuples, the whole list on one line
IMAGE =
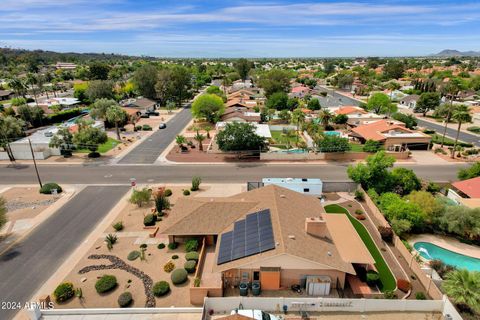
[(340, 156), (379, 220)]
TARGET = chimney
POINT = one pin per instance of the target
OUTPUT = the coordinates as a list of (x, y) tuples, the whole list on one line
[(316, 227)]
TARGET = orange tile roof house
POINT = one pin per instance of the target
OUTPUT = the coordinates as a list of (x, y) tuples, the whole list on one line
[(392, 134), (466, 192), (357, 116), (271, 235)]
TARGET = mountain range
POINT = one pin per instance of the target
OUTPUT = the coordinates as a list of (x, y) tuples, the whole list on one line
[(457, 53)]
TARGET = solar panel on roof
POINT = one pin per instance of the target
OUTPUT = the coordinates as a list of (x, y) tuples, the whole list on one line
[(250, 236)]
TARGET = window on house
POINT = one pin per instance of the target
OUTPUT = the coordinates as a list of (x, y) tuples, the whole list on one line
[(306, 190)]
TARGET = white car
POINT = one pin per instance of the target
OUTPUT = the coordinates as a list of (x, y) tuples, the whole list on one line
[(256, 314)]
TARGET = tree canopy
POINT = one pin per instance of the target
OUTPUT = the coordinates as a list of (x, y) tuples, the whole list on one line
[(209, 107), (145, 79), (470, 172), (427, 101), (243, 67), (374, 173), (278, 101), (239, 136), (275, 80), (380, 104)]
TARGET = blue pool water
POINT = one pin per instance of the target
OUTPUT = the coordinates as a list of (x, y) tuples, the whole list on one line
[(292, 151), (331, 133), (430, 251)]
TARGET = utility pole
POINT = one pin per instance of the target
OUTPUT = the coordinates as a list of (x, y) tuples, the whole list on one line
[(447, 119), (35, 163)]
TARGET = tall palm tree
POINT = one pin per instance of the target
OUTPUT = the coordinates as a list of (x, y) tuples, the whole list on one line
[(298, 117), (32, 80), (19, 86), (446, 110), (461, 115), (325, 116), (199, 138), (115, 114), (462, 286)]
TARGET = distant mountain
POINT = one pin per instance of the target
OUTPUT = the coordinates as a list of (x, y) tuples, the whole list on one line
[(456, 53)]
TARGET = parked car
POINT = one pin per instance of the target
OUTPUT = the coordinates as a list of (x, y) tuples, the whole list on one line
[(162, 126), (153, 113), (255, 314), (144, 115)]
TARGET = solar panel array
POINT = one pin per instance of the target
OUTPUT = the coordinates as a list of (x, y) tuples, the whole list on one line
[(250, 236)]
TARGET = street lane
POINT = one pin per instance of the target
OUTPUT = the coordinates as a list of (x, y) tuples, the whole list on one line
[(210, 173), (152, 147), (26, 266), (452, 133)]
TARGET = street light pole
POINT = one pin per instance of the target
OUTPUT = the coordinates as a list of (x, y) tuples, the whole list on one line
[(35, 163)]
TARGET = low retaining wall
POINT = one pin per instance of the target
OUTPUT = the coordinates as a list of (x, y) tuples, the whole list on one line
[(338, 156)]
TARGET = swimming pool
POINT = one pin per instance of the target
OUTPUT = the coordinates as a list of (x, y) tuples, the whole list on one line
[(331, 133), (430, 251), (292, 151)]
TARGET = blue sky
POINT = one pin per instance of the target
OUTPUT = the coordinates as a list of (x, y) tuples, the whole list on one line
[(271, 28)]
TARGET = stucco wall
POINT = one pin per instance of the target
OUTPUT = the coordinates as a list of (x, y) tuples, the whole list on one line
[(294, 276)]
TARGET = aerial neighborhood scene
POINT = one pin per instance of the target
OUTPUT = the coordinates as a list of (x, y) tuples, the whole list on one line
[(217, 160)]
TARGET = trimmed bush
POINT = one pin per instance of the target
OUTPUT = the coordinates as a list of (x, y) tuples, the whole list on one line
[(118, 226), (179, 276), (149, 220), (173, 245), (174, 257), (125, 300), (390, 295), (186, 192), (133, 255), (48, 187), (404, 285), (191, 245), (168, 193), (190, 266), (106, 283), (160, 288), (64, 292), (193, 255), (420, 296), (143, 246), (372, 278), (196, 183), (146, 127), (474, 129), (359, 195), (386, 233), (161, 245), (169, 266)]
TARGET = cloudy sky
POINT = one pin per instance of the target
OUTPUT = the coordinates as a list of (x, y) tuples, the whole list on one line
[(207, 28)]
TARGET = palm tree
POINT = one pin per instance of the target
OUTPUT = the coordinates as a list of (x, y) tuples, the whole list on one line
[(115, 114), (207, 130), (180, 140), (19, 86), (32, 80), (298, 117), (446, 110), (462, 286), (199, 138), (461, 115), (325, 116)]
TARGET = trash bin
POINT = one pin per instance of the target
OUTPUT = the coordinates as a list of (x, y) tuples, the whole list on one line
[(243, 289), (256, 288)]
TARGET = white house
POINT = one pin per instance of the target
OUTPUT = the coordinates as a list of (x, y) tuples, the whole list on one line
[(308, 186)]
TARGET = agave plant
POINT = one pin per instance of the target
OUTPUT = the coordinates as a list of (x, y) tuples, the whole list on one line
[(110, 240)]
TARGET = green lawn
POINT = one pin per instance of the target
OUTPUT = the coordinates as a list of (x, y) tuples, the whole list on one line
[(386, 276), (281, 139), (355, 147), (105, 147)]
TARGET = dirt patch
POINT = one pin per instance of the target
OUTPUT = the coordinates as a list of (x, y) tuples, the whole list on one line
[(26, 202)]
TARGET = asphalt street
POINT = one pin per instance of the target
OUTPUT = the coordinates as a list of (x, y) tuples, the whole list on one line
[(452, 133), (26, 266), (150, 149), (210, 173)]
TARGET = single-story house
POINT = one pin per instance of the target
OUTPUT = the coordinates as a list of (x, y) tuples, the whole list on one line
[(142, 104), (302, 185), (392, 134), (299, 92), (6, 95), (272, 236), (232, 115), (357, 116), (410, 101), (466, 192)]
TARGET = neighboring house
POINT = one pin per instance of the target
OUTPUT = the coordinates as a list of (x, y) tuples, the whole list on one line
[(241, 85), (302, 185), (141, 104), (466, 192), (234, 115), (65, 66), (6, 95), (392, 134), (410, 101), (271, 235), (467, 95), (240, 103), (299, 92), (357, 116)]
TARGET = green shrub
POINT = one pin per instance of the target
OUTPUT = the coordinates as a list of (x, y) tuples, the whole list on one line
[(146, 127), (64, 292), (407, 245), (192, 255), (48, 187), (125, 300), (186, 192), (190, 266), (173, 245), (133, 255), (175, 257), (160, 288), (359, 195), (118, 226), (474, 129), (149, 220), (106, 283), (390, 295), (169, 266), (179, 276), (420, 296), (110, 240), (196, 282), (168, 193), (191, 245), (196, 183), (138, 128), (372, 278), (143, 246), (372, 146), (161, 245), (141, 197)]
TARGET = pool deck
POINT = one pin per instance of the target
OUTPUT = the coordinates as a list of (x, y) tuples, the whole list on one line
[(448, 243)]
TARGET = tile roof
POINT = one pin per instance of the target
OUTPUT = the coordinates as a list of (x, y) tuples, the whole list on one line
[(350, 109), (376, 130), (470, 187), (289, 211)]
